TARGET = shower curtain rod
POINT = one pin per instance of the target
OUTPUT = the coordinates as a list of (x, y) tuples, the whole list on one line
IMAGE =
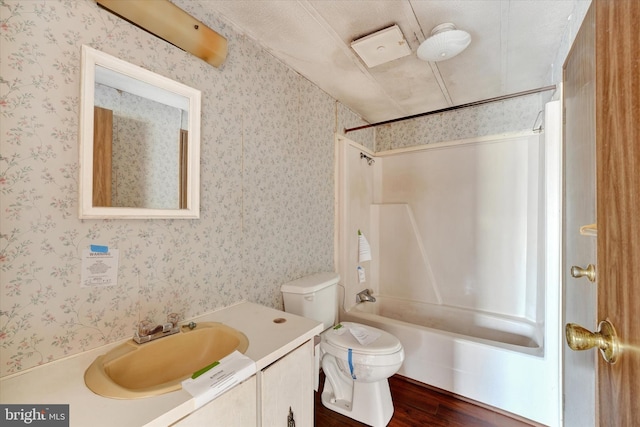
[(455, 107)]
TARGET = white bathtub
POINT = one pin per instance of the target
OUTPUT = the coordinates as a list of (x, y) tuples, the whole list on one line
[(485, 357), (488, 328)]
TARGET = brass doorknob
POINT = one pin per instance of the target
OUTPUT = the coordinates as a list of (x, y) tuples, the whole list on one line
[(579, 338), (589, 272)]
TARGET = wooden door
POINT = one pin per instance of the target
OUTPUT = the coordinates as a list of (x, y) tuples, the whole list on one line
[(102, 152), (579, 209), (183, 169), (618, 203)]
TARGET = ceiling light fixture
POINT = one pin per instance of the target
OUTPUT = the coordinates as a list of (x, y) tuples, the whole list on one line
[(446, 41)]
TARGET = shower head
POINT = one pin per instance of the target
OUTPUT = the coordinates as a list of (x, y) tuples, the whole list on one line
[(369, 160)]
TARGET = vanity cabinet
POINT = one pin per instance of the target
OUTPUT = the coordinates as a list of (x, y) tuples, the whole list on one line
[(266, 398), (235, 408), (280, 343), (288, 383)]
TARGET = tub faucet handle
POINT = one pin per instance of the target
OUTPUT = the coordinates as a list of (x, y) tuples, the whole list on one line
[(365, 296)]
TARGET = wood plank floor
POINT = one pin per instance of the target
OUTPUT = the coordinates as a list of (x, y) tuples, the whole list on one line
[(416, 405)]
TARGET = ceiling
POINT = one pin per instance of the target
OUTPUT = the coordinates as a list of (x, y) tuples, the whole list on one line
[(514, 43)]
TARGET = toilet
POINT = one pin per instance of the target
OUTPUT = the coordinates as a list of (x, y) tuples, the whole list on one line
[(357, 359)]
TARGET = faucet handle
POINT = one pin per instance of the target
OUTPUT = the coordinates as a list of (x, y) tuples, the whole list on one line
[(173, 318), (144, 328)]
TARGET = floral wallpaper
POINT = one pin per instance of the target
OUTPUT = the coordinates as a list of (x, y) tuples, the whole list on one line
[(515, 114), (266, 185)]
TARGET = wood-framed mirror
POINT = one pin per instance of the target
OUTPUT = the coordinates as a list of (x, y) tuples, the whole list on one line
[(139, 142)]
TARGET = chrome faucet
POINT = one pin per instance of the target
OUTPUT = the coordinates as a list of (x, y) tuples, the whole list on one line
[(146, 332), (365, 296)]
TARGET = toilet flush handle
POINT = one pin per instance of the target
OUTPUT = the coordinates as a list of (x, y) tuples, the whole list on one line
[(309, 298)]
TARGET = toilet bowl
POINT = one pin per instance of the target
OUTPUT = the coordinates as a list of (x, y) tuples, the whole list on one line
[(357, 375), (357, 359)]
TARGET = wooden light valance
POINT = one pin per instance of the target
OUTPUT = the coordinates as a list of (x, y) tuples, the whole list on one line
[(172, 24)]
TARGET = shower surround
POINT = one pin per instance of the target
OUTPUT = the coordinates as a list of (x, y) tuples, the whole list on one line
[(465, 264)]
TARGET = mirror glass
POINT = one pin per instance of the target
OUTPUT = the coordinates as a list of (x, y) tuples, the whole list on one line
[(140, 142)]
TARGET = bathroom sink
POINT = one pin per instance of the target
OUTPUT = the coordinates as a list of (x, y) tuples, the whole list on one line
[(132, 370)]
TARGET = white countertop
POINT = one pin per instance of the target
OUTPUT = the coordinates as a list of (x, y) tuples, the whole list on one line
[(62, 381)]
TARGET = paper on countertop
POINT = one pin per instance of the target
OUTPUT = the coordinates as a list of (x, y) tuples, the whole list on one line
[(232, 370), (364, 336)]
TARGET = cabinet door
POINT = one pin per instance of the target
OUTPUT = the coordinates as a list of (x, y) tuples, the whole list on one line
[(288, 383), (235, 408)]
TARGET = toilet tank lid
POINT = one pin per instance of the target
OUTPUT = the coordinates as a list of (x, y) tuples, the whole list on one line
[(310, 284)]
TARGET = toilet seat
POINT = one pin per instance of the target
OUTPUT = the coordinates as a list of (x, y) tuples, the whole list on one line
[(383, 351)]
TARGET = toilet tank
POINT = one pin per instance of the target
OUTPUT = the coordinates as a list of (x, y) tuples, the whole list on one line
[(314, 297)]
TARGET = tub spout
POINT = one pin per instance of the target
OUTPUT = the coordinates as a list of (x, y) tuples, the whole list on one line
[(365, 296)]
